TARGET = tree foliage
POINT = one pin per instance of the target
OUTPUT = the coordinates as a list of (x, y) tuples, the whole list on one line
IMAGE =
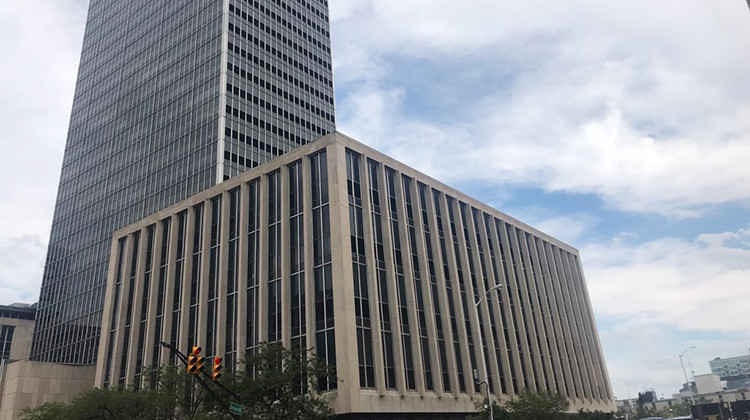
[(277, 384), (530, 405), (542, 405)]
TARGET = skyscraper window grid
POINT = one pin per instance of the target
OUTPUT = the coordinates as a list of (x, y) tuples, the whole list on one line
[(149, 126)]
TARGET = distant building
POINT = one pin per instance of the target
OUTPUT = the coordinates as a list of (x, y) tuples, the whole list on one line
[(708, 384), (16, 329), (734, 370)]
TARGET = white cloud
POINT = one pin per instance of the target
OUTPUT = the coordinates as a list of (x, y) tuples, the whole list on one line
[(690, 285), (622, 100), (569, 227), (41, 45), (21, 266), (657, 298)]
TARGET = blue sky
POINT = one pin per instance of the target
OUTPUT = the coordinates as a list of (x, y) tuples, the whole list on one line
[(622, 128)]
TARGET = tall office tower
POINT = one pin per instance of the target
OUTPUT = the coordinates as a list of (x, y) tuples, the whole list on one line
[(171, 98)]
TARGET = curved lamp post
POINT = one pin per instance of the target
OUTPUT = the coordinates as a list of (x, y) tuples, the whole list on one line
[(690, 388), (481, 346)]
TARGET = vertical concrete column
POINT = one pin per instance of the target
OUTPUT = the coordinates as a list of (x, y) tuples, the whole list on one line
[(137, 304), (479, 335), (543, 325), (343, 296), (443, 297), (571, 381), (485, 281), (120, 336), (242, 259), (510, 289), (552, 321), (372, 277), (109, 306), (523, 306), (501, 296), (536, 371), (578, 370), (390, 269), (187, 275), (148, 342), (411, 301), (263, 259), (286, 290), (221, 287), (583, 355), (200, 336), (307, 239), (597, 347), (169, 286), (463, 337), (427, 297)]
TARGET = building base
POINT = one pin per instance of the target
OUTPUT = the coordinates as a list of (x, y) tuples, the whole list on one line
[(27, 384)]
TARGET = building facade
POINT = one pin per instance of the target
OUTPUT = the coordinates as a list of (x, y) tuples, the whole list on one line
[(376, 266), (735, 371), (730, 366), (16, 328), (171, 98)]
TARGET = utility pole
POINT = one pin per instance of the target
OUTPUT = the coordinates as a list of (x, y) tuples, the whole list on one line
[(481, 347), (690, 387)]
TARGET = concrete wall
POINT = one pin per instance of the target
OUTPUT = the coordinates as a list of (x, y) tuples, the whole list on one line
[(20, 345), (708, 384), (31, 384)]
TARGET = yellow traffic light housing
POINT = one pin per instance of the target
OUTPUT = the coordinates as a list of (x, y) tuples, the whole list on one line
[(216, 368), (195, 361)]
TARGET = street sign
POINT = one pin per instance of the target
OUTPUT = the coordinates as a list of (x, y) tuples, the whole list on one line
[(235, 408)]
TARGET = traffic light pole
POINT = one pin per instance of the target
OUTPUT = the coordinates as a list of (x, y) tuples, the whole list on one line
[(203, 383)]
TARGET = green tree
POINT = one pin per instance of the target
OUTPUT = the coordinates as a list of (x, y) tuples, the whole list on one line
[(105, 404), (483, 412), (528, 405), (283, 384), (277, 384), (542, 405), (592, 415)]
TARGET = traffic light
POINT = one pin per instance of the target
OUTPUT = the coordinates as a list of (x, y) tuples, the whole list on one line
[(195, 361), (216, 368)]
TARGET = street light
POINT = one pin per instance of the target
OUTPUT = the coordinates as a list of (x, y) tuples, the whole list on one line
[(690, 388), (481, 347)]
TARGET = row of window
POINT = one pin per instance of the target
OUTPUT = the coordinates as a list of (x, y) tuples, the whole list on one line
[(243, 116), (286, 77), (151, 249), (17, 313), (6, 337), (542, 336), (323, 30), (288, 41), (274, 109), (297, 82)]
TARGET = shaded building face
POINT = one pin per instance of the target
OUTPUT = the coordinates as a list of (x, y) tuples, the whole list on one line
[(388, 274), (171, 98)]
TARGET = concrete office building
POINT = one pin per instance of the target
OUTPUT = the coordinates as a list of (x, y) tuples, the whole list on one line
[(338, 247), (171, 98), (16, 328)]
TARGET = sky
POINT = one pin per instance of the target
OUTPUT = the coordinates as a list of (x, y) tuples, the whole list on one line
[(621, 128)]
